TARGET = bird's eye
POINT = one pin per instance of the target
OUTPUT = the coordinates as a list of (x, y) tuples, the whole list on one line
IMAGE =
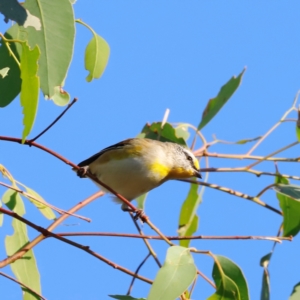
[(190, 158)]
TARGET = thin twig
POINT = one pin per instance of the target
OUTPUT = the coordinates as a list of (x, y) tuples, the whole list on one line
[(265, 189), (47, 128), (177, 238), (235, 193), (136, 272), (47, 233), (151, 251), (206, 278), (244, 169), (24, 285), (41, 237), (273, 153), (27, 195), (275, 126), (244, 156)]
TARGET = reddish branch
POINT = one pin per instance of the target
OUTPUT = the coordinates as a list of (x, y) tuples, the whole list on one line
[(47, 233), (22, 284)]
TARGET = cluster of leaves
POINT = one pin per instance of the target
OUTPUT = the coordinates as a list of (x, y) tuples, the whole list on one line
[(35, 54)]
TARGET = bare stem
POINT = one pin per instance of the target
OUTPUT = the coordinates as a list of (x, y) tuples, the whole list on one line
[(136, 272), (46, 129), (60, 211), (151, 250), (235, 193), (177, 238), (41, 237), (24, 285)]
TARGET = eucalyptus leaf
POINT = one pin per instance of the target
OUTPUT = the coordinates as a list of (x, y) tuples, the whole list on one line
[(230, 281), (30, 87), (295, 295), (188, 220), (289, 196), (165, 133), (175, 276), (96, 57), (25, 268), (215, 104), (55, 40), (125, 297), (10, 85)]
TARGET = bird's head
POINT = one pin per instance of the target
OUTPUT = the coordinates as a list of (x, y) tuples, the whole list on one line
[(184, 163)]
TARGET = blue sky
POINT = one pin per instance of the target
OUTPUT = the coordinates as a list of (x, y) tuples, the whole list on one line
[(176, 55)]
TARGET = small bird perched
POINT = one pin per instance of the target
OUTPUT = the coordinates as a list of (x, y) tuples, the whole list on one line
[(136, 166)]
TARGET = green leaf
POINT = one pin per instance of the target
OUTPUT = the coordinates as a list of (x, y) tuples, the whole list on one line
[(13, 201), (188, 220), (125, 297), (10, 86), (289, 196), (1, 215), (30, 87), (175, 276), (43, 208), (167, 133), (245, 141), (25, 268), (60, 97), (229, 279), (4, 72), (265, 289), (182, 131), (298, 126), (55, 40), (96, 56), (141, 201), (295, 295), (215, 104)]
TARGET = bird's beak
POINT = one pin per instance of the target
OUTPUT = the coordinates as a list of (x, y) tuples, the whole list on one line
[(198, 174)]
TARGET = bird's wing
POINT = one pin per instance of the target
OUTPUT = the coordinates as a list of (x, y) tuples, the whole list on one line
[(91, 159)]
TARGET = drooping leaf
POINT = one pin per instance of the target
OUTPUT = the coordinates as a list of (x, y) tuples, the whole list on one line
[(215, 104), (13, 201), (289, 201), (141, 201), (10, 86), (229, 279), (30, 87), (60, 97), (96, 56), (43, 208), (4, 72), (175, 276), (295, 295), (55, 40), (25, 268), (188, 220), (182, 131), (265, 288), (125, 297), (166, 133)]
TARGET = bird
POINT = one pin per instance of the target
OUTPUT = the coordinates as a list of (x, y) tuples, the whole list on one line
[(135, 166)]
